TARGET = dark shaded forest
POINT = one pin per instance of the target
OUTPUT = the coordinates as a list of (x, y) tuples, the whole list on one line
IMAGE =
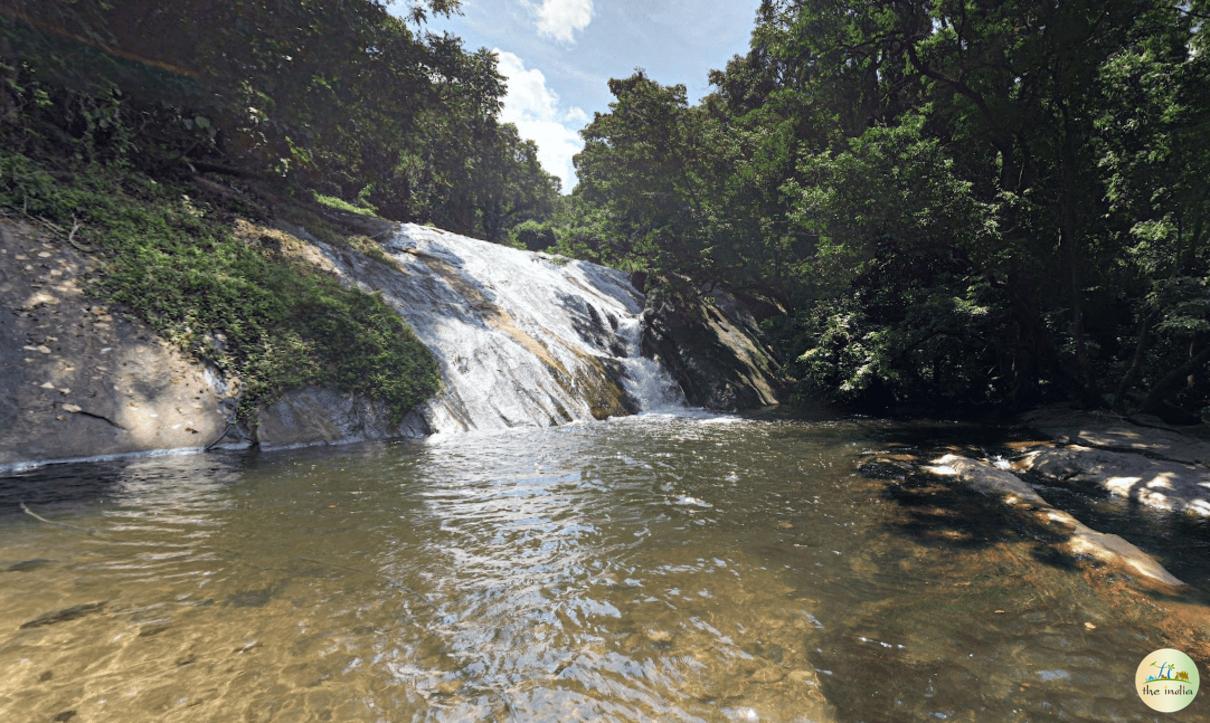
[(952, 205)]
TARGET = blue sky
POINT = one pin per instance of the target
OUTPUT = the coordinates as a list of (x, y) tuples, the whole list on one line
[(558, 55)]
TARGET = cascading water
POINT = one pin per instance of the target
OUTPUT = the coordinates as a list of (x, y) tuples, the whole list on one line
[(523, 338), (646, 378)]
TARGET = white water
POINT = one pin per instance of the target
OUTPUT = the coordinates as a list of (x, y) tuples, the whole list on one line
[(522, 338)]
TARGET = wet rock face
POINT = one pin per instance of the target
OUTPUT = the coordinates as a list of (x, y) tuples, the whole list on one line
[(522, 339), (710, 344), (323, 416), (64, 615)]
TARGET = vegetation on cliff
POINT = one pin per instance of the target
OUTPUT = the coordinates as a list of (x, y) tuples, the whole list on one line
[(117, 119), (262, 317), (342, 98)]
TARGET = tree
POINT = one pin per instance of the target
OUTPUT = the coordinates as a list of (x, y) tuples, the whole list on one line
[(653, 165), (1003, 198), (342, 97)]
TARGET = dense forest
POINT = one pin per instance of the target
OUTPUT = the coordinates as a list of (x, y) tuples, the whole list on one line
[(946, 205), (958, 202)]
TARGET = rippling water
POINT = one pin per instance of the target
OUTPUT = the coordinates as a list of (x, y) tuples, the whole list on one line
[(647, 568)]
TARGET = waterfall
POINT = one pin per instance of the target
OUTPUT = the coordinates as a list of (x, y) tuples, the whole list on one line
[(522, 338)]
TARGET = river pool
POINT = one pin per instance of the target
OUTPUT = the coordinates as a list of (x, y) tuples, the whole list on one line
[(658, 567)]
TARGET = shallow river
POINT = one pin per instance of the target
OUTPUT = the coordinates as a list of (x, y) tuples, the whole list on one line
[(648, 568)]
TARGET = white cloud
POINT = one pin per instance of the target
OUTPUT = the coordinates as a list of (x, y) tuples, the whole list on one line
[(562, 19), (576, 115), (534, 109)]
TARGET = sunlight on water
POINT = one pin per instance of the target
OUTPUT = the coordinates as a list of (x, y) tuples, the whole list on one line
[(681, 567)]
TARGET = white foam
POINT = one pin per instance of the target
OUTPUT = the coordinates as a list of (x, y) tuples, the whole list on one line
[(521, 337)]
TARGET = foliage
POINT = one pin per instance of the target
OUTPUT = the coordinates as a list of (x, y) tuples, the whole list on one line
[(342, 98), (648, 164), (270, 322), (534, 236), (998, 203), (895, 233), (342, 205)]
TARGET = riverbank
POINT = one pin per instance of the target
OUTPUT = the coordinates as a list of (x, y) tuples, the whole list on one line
[(1057, 452), (146, 316), (1120, 501), (983, 487)]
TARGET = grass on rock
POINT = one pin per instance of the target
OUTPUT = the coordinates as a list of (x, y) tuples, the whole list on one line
[(274, 323)]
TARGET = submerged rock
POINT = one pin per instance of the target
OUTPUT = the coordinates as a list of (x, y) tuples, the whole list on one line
[(61, 616), (1077, 538), (28, 565), (657, 636), (153, 629), (768, 674), (253, 598)]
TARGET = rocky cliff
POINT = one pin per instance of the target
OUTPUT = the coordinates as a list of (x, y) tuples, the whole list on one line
[(710, 342), (521, 338)]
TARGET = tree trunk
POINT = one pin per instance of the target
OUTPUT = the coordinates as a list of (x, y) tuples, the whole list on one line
[(1070, 249), (1136, 363), (1030, 346), (1174, 378)]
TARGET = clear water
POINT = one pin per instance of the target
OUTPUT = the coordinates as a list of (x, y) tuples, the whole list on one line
[(658, 567)]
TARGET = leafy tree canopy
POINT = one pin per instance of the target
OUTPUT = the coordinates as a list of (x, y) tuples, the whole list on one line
[(339, 96), (959, 201)]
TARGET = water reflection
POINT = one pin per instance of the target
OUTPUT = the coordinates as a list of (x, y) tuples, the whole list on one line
[(647, 568)]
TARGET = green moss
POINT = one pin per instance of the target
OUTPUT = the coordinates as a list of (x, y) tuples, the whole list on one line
[(369, 247), (342, 205), (274, 322), (327, 231)]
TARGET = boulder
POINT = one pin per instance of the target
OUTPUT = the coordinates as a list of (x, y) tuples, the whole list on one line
[(1155, 466), (1162, 484), (1111, 432), (710, 343), (316, 416)]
